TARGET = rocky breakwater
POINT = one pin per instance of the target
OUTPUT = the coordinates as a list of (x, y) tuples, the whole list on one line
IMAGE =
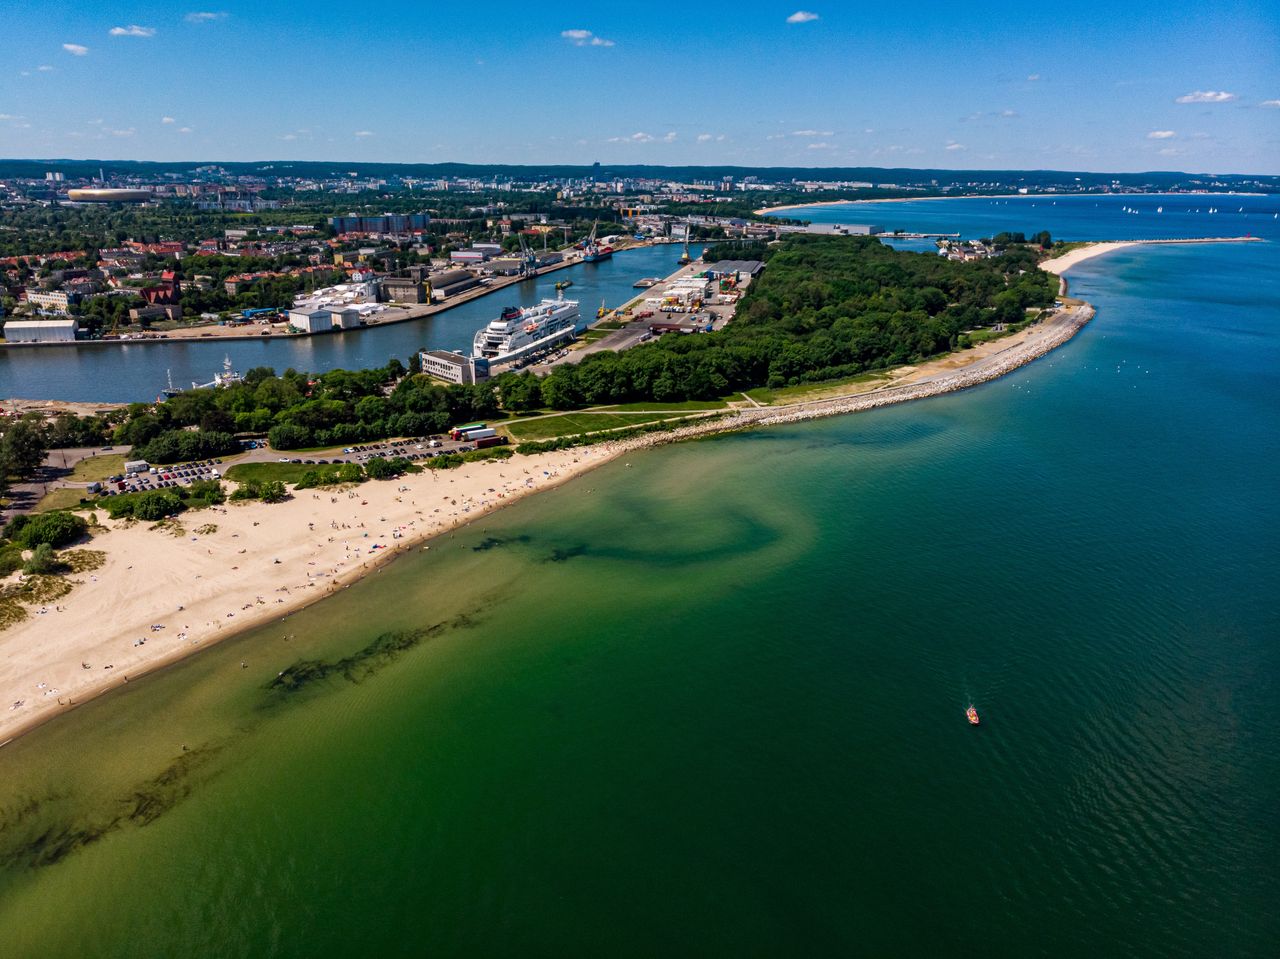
[(1044, 338)]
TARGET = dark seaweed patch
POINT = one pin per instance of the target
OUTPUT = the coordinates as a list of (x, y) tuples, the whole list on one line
[(562, 554), (148, 802), (493, 542), (363, 663)]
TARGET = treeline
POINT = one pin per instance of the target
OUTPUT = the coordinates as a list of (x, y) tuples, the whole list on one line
[(825, 307), (297, 410)]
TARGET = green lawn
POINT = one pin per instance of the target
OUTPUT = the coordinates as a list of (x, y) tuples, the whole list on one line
[(570, 424), (95, 468), (807, 391), (62, 498), (263, 472), (662, 407)]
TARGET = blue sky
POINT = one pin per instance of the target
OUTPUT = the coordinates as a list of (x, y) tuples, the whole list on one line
[(1090, 85)]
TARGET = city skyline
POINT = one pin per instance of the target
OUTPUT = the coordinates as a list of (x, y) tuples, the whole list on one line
[(754, 84)]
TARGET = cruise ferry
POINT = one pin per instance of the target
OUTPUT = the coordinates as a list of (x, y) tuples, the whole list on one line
[(522, 332)]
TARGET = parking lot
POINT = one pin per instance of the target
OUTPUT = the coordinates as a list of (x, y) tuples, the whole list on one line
[(413, 449), (162, 477)]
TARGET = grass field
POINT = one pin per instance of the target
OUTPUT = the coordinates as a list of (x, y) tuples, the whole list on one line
[(96, 468), (815, 391), (62, 498), (263, 472), (570, 424), (663, 407)]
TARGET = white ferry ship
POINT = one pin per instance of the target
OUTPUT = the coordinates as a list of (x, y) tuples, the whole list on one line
[(522, 332)]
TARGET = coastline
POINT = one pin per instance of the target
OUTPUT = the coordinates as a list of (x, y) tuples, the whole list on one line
[(765, 211), (266, 561), (244, 586)]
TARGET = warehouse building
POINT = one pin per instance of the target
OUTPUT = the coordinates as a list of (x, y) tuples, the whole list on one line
[(41, 331), (311, 321), (346, 318), (453, 282), (404, 290)]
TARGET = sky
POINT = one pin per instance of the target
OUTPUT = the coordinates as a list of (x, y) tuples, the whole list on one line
[(1092, 85)]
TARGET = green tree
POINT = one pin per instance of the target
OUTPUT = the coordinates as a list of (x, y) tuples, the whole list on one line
[(22, 449), (43, 561)]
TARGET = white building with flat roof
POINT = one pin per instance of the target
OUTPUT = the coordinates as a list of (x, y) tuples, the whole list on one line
[(454, 367)]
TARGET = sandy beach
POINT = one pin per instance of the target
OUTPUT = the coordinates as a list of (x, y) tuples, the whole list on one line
[(160, 597), (1060, 264)]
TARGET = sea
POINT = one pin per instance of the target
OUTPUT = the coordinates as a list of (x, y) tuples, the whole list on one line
[(709, 699)]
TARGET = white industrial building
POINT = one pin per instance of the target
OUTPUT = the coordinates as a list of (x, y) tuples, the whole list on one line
[(454, 367), (347, 318), (41, 331), (311, 321)]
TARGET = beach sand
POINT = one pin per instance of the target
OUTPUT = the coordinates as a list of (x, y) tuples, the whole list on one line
[(161, 597), (264, 560)]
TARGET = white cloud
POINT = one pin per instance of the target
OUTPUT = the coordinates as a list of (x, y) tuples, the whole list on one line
[(1172, 152), (820, 145), (1033, 77), (363, 133), (168, 120), (1269, 104), (123, 133), (637, 137), (9, 116), (203, 17), (813, 133), (289, 136), (585, 38), (956, 146), (705, 137), (1206, 96), (45, 68), (1009, 114), (802, 16), (75, 49), (133, 30), (670, 137), (184, 129), (1161, 135)]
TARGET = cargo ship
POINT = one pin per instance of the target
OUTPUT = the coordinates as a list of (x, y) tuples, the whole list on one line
[(520, 332), (593, 252)]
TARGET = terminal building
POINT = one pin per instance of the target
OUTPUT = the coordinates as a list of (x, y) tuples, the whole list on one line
[(454, 367)]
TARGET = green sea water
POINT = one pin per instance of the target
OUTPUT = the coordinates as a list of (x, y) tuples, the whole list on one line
[(708, 700)]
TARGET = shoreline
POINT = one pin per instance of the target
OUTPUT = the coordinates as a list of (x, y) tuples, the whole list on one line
[(153, 579), (174, 567), (765, 211)]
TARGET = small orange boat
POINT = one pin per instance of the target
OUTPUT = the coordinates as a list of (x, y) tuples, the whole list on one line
[(972, 715)]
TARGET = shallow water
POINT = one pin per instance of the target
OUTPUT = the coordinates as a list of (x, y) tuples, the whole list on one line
[(709, 700)]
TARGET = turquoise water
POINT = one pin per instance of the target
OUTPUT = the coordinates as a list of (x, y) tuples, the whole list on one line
[(1154, 216), (709, 700)]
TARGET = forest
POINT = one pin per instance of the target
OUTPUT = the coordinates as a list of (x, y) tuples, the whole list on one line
[(824, 307)]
